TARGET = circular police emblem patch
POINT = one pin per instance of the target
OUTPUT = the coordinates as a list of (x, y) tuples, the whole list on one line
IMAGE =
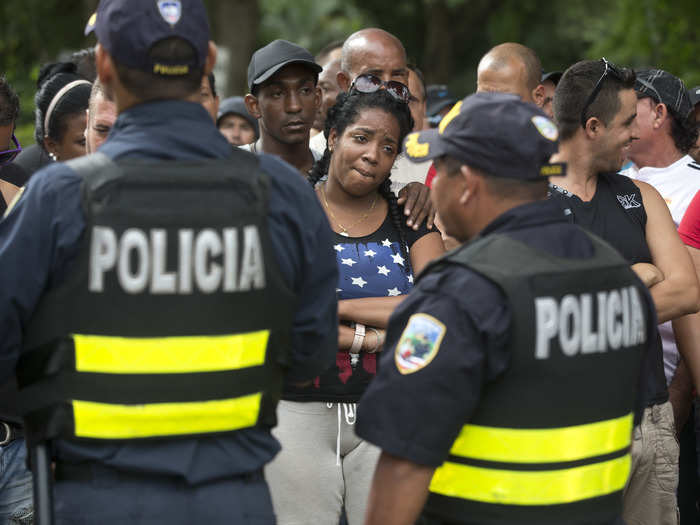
[(546, 127), (170, 10), (419, 343)]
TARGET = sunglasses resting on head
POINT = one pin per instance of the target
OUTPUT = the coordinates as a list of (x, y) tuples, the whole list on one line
[(368, 83)]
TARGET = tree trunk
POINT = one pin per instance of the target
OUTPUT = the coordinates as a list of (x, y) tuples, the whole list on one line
[(437, 57), (235, 26)]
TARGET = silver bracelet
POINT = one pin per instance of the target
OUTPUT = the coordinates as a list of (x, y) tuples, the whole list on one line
[(358, 339), (379, 342)]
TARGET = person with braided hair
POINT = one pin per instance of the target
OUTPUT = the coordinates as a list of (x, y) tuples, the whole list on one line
[(378, 256)]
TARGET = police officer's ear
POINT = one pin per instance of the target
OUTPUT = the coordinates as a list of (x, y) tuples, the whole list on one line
[(106, 70), (252, 105), (211, 58), (470, 182)]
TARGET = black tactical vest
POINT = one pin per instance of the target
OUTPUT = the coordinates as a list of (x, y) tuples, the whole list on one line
[(549, 442), (174, 319)]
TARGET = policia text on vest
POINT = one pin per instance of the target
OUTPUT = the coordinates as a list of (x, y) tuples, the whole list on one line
[(179, 318), (139, 259), (579, 328)]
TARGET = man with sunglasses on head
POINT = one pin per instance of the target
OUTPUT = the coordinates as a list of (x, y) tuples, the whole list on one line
[(595, 109), (374, 59)]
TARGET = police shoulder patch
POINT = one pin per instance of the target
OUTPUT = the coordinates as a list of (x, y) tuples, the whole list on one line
[(419, 343), (546, 127)]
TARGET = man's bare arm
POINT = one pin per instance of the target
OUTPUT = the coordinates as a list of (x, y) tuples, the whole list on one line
[(398, 493), (687, 332), (678, 294)]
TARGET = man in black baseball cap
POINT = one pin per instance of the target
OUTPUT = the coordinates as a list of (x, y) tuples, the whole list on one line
[(150, 322), (475, 362), (284, 97)]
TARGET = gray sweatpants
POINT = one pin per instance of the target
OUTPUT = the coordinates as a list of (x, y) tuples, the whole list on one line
[(323, 465)]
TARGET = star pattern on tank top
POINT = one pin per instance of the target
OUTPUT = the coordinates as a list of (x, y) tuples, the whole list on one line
[(372, 269)]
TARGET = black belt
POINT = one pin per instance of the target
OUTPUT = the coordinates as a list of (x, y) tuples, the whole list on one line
[(9, 432), (88, 472)]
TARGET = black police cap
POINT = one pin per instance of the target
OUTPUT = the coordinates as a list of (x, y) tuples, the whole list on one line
[(493, 132), (128, 29)]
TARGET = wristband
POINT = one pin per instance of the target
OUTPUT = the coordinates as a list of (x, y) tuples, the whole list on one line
[(359, 338)]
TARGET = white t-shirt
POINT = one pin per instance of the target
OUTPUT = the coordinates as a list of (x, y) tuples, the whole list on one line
[(403, 172), (677, 184)]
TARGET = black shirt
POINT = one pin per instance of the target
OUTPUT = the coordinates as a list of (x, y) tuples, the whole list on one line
[(616, 214)]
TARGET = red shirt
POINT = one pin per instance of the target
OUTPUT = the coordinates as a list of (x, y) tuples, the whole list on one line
[(689, 229), (430, 176)]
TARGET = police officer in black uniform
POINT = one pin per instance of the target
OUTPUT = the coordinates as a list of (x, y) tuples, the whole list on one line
[(155, 294), (507, 389)]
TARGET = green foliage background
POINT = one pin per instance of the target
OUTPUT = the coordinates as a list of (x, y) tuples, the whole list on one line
[(445, 38)]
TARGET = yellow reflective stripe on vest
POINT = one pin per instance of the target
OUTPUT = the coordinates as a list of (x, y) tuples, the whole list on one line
[(550, 487), (107, 421), (169, 355), (547, 445)]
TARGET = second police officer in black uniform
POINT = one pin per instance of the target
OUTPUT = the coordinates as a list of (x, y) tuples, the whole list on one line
[(156, 293), (511, 373)]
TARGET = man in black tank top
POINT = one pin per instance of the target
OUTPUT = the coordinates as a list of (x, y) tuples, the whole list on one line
[(595, 111)]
